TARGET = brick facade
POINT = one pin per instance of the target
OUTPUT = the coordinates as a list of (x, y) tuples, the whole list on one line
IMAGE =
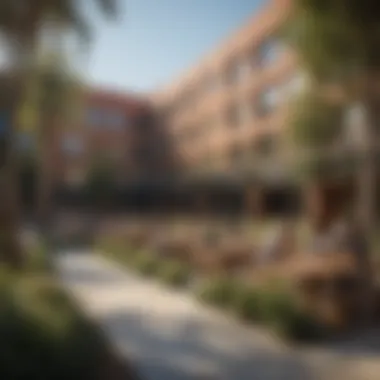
[(107, 132), (221, 111), (226, 112)]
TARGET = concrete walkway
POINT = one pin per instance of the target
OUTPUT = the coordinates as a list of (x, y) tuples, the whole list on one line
[(172, 337)]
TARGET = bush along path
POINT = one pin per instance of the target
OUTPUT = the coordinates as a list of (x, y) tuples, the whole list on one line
[(42, 333), (272, 305)]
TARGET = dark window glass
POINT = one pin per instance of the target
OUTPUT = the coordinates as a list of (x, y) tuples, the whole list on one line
[(265, 146), (233, 116)]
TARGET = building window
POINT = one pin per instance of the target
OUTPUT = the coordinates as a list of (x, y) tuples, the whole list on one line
[(236, 72), (72, 145), (26, 142), (231, 74), (237, 155), (95, 117), (212, 83), (265, 146), (106, 118), (75, 177), (115, 155), (244, 113), (266, 102), (243, 70), (116, 119), (267, 53), (233, 116)]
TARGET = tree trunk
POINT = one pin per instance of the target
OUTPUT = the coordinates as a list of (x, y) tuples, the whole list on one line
[(366, 212), (11, 251), (23, 48), (44, 177)]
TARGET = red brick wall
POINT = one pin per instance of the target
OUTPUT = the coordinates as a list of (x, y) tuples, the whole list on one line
[(103, 139)]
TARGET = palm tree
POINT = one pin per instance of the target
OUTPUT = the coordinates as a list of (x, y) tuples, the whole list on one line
[(21, 25)]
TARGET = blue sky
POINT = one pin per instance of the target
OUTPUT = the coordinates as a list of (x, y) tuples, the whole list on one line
[(155, 40)]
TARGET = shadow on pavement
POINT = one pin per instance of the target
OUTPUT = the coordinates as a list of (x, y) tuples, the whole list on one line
[(189, 350)]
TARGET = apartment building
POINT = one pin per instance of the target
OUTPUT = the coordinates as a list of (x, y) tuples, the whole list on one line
[(227, 114), (224, 118)]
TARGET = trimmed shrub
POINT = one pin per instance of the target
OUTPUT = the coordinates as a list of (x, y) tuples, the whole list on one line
[(303, 327), (279, 309), (273, 306), (174, 273), (42, 336), (145, 263), (247, 303), (219, 291), (126, 255), (276, 305)]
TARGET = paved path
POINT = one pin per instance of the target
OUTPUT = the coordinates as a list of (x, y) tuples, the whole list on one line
[(172, 337)]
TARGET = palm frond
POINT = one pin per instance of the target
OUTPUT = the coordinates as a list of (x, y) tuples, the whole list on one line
[(109, 8)]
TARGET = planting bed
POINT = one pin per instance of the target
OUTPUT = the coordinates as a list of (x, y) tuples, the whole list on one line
[(217, 259), (43, 335)]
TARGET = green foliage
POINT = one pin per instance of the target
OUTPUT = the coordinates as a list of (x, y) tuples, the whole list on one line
[(335, 39), (65, 15), (99, 182), (328, 167), (37, 259), (42, 335), (273, 305), (280, 310), (174, 273), (247, 303), (126, 255), (276, 305), (116, 249), (301, 326), (219, 291), (314, 123), (146, 263)]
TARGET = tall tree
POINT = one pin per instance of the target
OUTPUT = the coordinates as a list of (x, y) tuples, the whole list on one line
[(337, 42), (21, 24), (58, 92)]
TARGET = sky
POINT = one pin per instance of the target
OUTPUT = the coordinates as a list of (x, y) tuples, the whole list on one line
[(154, 41)]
